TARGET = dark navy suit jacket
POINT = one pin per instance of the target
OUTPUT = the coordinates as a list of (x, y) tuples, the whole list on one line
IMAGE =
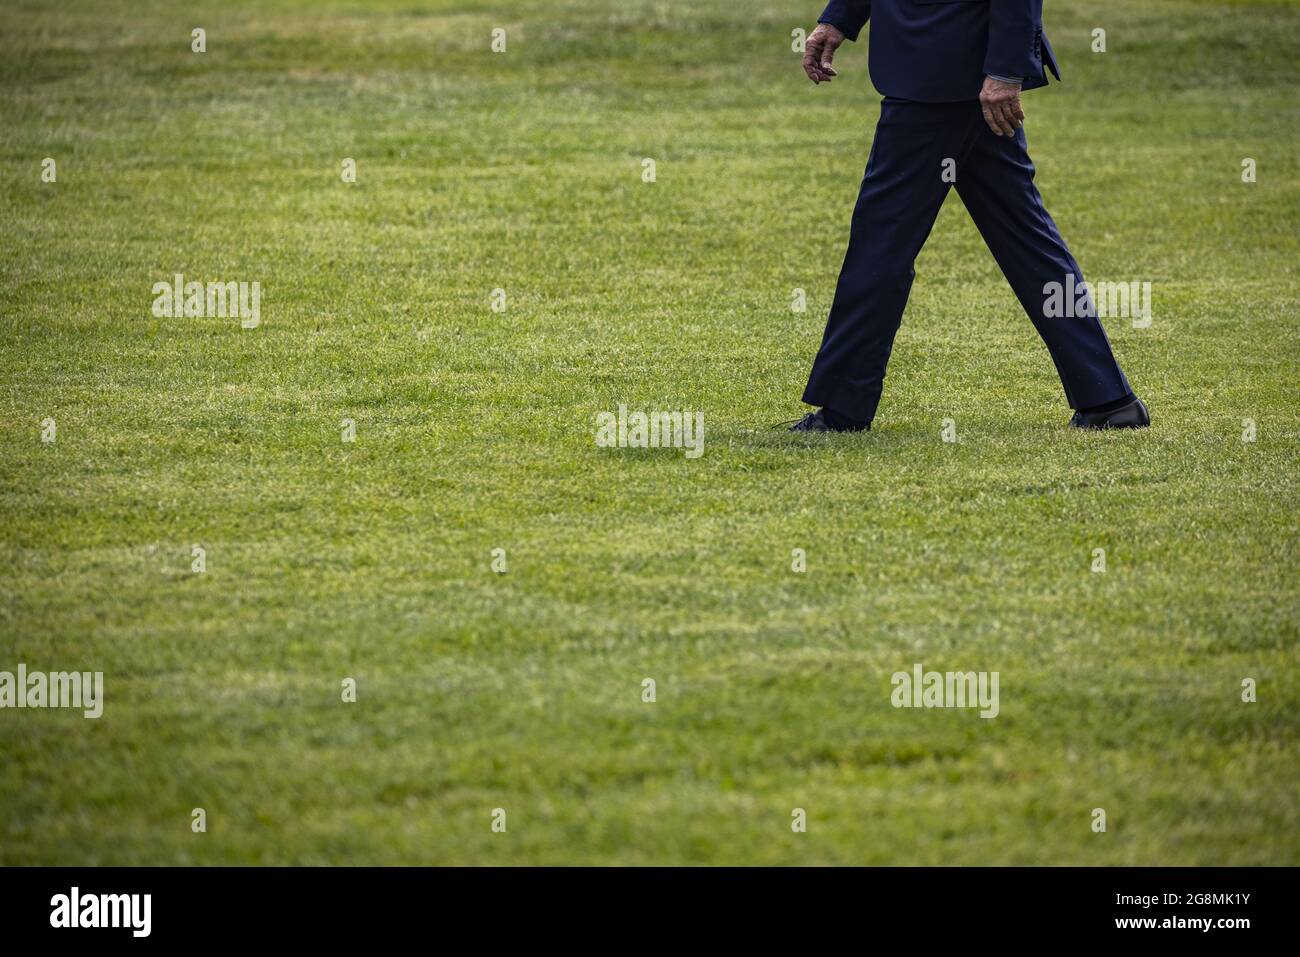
[(939, 51)]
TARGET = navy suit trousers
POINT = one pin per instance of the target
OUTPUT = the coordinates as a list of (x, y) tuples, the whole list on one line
[(900, 197)]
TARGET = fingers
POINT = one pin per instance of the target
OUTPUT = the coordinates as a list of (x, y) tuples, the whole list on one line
[(988, 117), (993, 119), (1003, 117), (1007, 119), (828, 54), (812, 51)]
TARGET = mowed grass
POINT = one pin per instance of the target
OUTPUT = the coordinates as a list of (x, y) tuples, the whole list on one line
[(475, 431)]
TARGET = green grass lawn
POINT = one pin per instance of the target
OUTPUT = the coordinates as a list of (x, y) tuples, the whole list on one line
[(475, 431)]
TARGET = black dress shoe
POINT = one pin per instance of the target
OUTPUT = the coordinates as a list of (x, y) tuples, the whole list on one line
[(1132, 416), (816, 422)]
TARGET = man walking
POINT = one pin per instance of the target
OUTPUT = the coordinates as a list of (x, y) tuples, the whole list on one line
[(951, 73)]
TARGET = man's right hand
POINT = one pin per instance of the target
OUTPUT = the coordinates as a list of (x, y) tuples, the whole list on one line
[(818, 51)]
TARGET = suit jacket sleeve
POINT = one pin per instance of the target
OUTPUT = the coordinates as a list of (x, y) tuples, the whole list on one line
[(1015, 31), (847, 16)]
